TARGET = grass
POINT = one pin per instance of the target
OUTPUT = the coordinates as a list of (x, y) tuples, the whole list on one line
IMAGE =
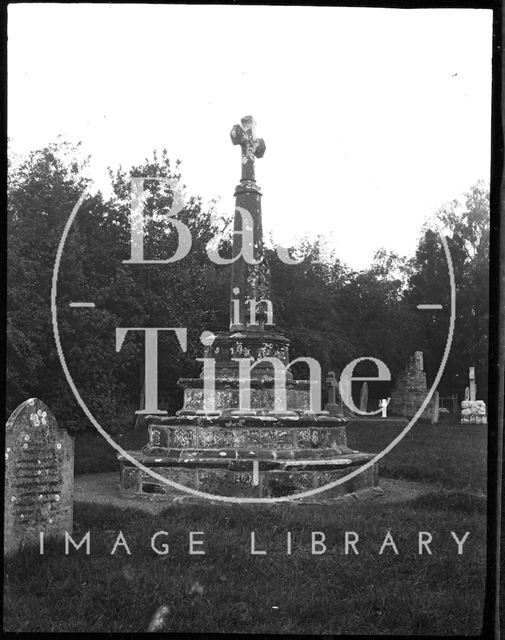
[(229, 591), (94, 455), (452, 456), (331, 593)]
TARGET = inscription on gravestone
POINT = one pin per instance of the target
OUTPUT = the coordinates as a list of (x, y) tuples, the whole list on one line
[(39, 477)]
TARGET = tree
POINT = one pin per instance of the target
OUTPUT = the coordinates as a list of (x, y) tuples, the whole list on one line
[(190, 293), (41, 193), (466, 227), (329, 311)]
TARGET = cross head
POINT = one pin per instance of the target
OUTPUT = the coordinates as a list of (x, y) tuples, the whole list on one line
[(244, 134)]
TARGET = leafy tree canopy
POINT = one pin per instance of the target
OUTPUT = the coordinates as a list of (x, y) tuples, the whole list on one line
[(329, 311)]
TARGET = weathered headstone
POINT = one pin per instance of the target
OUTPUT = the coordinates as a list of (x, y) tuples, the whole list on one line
[(363, 397), (331, 406), (39, 477), (435, 408)]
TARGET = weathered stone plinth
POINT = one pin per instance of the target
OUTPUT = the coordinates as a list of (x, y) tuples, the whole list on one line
[(246, 456), (271, 483), (263, 432), (473, 412), (263, 394), (250, 343)]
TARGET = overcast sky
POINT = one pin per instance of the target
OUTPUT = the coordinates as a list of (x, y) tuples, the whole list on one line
[(372, 118)]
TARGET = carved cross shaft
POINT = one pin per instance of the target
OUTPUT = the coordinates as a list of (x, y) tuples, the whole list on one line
[(244, 134), (473, 387)]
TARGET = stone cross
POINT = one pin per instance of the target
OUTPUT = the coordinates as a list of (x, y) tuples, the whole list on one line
[(250, 279), (244, 134), (39, 477), (419, 360), (473, 388), (383, 404)]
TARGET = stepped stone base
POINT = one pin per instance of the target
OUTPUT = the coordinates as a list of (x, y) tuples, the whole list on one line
[(242, 482), (246, 433), (262, 394), (250, 456)]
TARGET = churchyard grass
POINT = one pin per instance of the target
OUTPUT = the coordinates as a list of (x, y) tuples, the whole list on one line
[(94, 455), (452, 455), (230, 590)]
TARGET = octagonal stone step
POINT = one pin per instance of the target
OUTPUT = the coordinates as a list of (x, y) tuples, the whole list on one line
[(278, 435), (226, 480), (243, 459)]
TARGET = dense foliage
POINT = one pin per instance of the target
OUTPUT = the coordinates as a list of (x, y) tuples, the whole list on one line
[(329, 311)]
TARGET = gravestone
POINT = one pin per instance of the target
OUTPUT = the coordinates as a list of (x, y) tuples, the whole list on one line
[(435, 408), (39, 477), (363, 397), (332, 385)]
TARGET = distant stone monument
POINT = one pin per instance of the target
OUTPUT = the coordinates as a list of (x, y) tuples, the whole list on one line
[(39, 477), (473, 410), (411, 389)]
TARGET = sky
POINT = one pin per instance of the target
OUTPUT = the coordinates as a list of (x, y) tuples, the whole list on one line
[(372, 118)]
